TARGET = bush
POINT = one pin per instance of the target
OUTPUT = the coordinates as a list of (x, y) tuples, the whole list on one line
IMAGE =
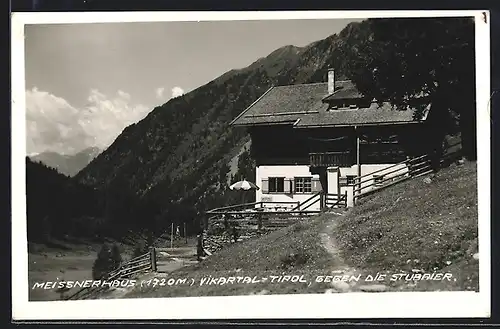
[(296, 258), (116, 256), (140, 249), (107, 260)]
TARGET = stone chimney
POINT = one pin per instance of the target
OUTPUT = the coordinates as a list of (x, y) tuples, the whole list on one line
[(331, 81)]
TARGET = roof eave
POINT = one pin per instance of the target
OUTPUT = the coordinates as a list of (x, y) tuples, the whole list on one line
[(253, 124), (232, 123), (303, 126)]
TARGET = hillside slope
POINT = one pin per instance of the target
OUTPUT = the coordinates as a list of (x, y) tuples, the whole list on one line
[(409, 228), (58, 206), (416, 225)]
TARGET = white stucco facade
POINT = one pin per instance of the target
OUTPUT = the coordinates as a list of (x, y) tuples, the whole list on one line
[(336, 179), (289, 172), (383, 171)]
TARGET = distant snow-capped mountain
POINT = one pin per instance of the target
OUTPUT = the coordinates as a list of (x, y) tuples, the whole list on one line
[(69, 165)]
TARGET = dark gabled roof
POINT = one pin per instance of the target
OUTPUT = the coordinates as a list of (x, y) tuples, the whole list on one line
[(304, 105), (283, 104), (374, 115), (344, 90)]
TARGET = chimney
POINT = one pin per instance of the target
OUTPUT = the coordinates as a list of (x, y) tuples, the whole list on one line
[(331, 81)]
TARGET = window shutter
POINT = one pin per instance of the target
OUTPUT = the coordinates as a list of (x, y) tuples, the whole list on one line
[(316, 185), (292, 186), (265, 186), (288, 186)]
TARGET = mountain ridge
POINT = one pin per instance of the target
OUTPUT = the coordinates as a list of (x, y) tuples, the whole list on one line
[(67, 164)]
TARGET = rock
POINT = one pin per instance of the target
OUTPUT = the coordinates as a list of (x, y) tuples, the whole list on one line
[(373, 288), (341, 286), (330, 291), (476, 256), (427, 180), (263, 292), (461, 161)]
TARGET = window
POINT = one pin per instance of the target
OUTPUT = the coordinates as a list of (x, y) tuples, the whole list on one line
[(276, 184), (303, 185), (378, 179), (347, 180), (350, 179)]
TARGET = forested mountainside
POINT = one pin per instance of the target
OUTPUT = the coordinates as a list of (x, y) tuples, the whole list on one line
[(68, 165), (173, 165), (57, 205)]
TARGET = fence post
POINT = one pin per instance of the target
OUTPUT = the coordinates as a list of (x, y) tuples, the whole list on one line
[(353, 194), (152, 254), (172, 237), (185, 233)]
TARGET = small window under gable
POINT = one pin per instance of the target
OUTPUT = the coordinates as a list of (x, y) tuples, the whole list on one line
[(378, 180), (343, 106)]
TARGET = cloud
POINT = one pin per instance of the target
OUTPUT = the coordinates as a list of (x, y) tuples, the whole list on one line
[(52, 124), (177, 91), (159, 92)]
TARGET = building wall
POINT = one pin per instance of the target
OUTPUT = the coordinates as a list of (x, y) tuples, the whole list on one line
[(287, 171), (333, 176), (333, 180)]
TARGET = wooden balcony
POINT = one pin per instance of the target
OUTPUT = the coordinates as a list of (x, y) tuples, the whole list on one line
[(330, 159)]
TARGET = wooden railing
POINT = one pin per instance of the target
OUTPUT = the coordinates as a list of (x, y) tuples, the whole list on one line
[(315, 198), (326, 159), (366, 184), (336, 200), (140, 264), (410, 168), (251, 205)]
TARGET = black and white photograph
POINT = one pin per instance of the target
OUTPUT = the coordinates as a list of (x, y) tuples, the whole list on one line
[(250, 165)]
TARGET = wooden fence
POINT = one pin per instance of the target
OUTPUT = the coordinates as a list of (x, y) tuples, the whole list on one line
[(410, 168), (141, 264), (240, 222), (335, 200)]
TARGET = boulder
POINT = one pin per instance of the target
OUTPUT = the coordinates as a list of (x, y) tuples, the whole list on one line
[(373, 288), (341, 286)]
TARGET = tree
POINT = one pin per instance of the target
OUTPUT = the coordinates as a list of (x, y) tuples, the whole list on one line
[(116, 257), (140, 248), (103, 264), (415, 62)]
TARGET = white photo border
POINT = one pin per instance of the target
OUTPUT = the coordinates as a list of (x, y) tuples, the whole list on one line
[(376, 305)]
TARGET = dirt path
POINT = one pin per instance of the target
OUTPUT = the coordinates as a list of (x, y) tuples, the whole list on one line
[(341, 268)]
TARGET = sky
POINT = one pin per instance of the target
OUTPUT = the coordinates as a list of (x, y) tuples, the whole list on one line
[(86, 82)]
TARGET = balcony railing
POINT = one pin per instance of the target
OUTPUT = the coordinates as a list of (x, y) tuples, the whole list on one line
[(326, 159)]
